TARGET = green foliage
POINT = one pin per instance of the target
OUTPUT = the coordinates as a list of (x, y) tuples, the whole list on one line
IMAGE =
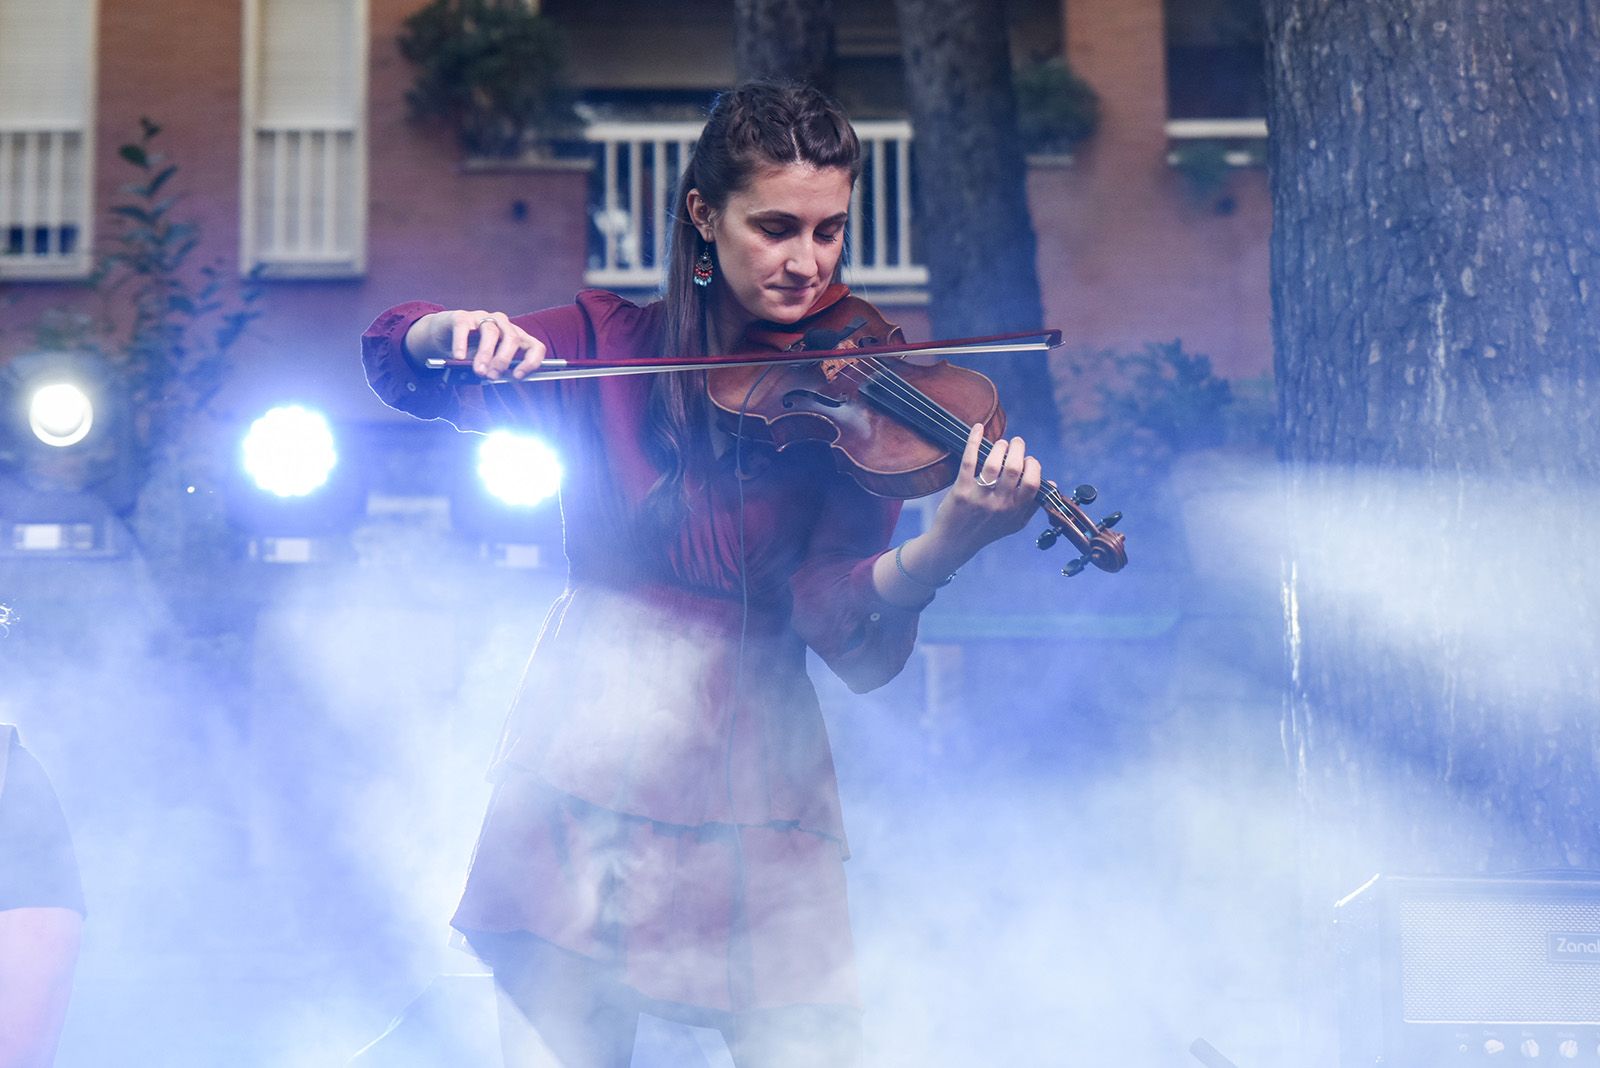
[(171, 322), (495, 70), (1207, 167), (1142, 410), (1204, 166), (1056, 109), (166, 324)]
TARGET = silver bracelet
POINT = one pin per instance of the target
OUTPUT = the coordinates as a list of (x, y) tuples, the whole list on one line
[(901, 567)]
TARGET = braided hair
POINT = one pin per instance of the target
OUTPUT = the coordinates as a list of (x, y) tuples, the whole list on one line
[(756, 125)]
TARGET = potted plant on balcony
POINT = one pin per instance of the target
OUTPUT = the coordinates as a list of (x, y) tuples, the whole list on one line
[(493, 70), (1056, 109)]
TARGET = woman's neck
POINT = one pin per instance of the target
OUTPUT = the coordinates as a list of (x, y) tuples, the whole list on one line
[(726, 323)]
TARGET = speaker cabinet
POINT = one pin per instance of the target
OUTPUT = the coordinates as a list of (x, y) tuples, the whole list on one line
[(1441, 972)]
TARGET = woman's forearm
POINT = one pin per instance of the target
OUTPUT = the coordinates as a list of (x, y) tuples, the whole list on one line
[(908, 574)]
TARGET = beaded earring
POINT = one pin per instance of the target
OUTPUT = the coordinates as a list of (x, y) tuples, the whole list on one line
[(703, 267)]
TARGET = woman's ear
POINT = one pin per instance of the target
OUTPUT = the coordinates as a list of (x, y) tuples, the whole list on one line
[(700, 214)]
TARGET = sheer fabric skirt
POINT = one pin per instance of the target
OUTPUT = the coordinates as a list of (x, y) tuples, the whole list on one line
[(720, 917)]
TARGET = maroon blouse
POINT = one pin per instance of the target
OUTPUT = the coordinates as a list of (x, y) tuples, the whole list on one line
[(669, 680)]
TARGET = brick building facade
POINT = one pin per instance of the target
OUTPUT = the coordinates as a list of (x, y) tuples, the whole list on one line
[(1126, 254)]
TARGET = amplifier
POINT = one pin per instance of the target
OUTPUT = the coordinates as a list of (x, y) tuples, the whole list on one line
[(1437, 972)]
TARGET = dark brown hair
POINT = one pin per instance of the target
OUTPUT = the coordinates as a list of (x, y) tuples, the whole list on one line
[(755, 125)]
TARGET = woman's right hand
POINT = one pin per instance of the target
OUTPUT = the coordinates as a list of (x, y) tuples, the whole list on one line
[(498, 343)]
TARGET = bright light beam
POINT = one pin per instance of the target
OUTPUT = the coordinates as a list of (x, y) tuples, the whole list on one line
[(518, 469), (289, 451), (60, 414)]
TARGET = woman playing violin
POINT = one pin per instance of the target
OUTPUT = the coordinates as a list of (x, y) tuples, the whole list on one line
[(665, 833)]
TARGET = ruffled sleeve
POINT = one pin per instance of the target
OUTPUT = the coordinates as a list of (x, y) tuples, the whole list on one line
[(864, 639)]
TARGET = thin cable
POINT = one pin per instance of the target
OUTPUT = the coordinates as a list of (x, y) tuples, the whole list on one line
[(744, 566)]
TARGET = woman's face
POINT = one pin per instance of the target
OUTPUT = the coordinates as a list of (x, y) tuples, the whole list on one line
[(779, 239)]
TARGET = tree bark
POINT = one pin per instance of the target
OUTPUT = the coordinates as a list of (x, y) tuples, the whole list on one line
[(787, 40), (972, 220), (1436, 194)]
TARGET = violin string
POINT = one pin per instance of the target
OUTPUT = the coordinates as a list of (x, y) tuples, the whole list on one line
[(940, 419), (914, 404)]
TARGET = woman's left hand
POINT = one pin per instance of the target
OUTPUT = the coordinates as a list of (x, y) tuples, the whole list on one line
[(989, 499)]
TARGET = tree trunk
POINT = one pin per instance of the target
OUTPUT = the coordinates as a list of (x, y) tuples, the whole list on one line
[(971, 194), (1436, 195), (789, 40)]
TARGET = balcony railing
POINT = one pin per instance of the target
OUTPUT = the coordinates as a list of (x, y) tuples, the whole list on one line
[(1245, 139), (306, 217), (44, 203), (637, 177)]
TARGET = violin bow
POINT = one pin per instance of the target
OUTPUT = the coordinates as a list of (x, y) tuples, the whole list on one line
[(999, 344)]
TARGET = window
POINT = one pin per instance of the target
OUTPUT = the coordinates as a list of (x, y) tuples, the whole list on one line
[(1216, 59), (1216, 82), (46, 152), (305, 168)]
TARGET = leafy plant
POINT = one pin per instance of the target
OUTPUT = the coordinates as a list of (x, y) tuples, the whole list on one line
[(165, 327), (172, 350), (495, 70), (1141, 410), (1056, 109), (1207, 167)]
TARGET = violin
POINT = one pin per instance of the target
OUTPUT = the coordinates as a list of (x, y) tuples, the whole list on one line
[(898, 427)]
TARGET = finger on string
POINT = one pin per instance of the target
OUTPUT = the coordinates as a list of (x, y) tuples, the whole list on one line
[(969, 457), (1016, 456), (1032, 476), (995, 463)]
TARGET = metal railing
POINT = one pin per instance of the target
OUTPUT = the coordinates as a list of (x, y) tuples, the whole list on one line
[(1246, 138), (639, 164), (44, 203), (306, 213)]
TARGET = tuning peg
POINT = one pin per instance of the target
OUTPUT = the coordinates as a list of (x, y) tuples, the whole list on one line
[(1085, 494), (1076, 566), (1111, 520), (1047, 537)]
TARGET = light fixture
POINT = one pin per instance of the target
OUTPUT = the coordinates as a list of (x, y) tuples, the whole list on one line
[(68, 463), (293, 497), (60, 414), (289, 451), (504, 498), (518, 469)]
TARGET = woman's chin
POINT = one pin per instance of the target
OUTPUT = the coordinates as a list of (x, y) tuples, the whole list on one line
[(789, 307)]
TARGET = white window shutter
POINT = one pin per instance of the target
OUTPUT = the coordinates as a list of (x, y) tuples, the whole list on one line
[(47, 68), (305, 137)]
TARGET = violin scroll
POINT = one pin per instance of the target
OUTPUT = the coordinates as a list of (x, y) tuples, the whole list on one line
[(1097, 542)]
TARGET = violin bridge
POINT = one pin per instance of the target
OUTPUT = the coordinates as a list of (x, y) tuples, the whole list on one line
[(832, 369)]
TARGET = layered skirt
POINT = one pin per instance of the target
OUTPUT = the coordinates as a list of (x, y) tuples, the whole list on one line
[(723, 917), (684, 836)]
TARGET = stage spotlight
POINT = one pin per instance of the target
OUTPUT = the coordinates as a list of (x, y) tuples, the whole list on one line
[(504, 498), (67, 456), (60, 414), (289, 451), (518, 469), (292, 495)]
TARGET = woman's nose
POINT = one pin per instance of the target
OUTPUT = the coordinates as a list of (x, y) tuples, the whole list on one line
[(802, 260)]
